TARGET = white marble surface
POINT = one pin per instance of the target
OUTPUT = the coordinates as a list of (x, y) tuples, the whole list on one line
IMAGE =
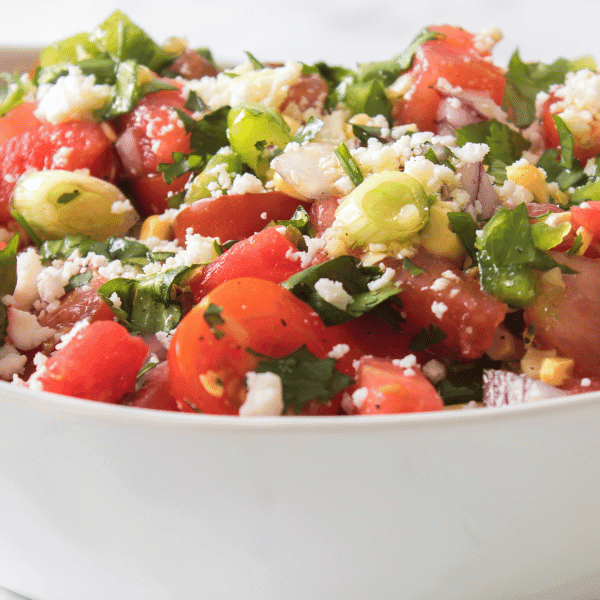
[(339, 31)]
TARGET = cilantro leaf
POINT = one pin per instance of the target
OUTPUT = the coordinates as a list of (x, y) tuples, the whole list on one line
[(508, 256), (354, 278), (388, 71), (113, 248), (147, 304), (413, 269), (425, 338), (8, 280), (213, 318), (304, 378), (465, 227), (78, 280), (505, 144)]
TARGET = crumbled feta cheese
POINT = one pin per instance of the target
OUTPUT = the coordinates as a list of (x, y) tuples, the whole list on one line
[(25, 331), (434, 370), (246, 184), (338, 351), (333, 292), (314, 246), (359, 396), (29, 266), (385, 279), (264, 397), (265, 86), (438, 309), (12, 362), (586, 382), (73, 96), (121, 206)]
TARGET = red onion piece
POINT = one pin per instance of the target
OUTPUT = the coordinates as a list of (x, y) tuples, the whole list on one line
[(503, 388)]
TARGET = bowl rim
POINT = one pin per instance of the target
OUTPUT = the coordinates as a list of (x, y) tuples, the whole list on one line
[(89, 409)]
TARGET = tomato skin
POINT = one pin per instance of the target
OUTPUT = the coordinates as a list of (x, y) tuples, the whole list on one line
[(78, 304), (100, 363), (18, 120), (455, 59), (151, 193), (155, 391), (37, 149), (471, 316), (587, 216), (207, 372), (235, 216), (391, 388), (262, 255)]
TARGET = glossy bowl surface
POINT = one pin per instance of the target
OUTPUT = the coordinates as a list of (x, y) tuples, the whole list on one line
[(100, 501)]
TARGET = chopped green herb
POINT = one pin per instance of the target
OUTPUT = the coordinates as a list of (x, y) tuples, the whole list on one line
[(212, 316), (465, 227), (78, 280), (413, 269), (424, 338), (505, 144), (354, 278), (577, 243), (307, 132), (304, 378), (348, 163), (194, 102), (147, 304)]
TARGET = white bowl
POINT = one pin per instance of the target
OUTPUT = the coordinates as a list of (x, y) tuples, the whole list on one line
[(105, 502), (100, 501)]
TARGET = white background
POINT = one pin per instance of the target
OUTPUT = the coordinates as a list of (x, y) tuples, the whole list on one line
[(338, 31)]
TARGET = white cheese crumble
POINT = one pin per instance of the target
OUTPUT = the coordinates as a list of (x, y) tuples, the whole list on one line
[(25, 331), (333, 292), (73, 96), (12, 362), (338, 351), (264, 86), (434, 370), (385, 279), (264, 397), (29, 266), (438, 309)]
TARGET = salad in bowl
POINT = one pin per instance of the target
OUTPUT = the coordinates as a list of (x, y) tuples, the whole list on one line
[(409, 235)]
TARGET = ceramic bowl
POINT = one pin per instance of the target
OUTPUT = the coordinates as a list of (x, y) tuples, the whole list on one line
[(100, 501)]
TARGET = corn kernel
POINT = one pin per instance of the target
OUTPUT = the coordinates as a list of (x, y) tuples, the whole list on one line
[(153, 226), (531, 363), (531, 178), (554, 371)]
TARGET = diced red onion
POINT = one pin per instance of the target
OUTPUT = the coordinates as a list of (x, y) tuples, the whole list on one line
[(129, 153), (502, 388)]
